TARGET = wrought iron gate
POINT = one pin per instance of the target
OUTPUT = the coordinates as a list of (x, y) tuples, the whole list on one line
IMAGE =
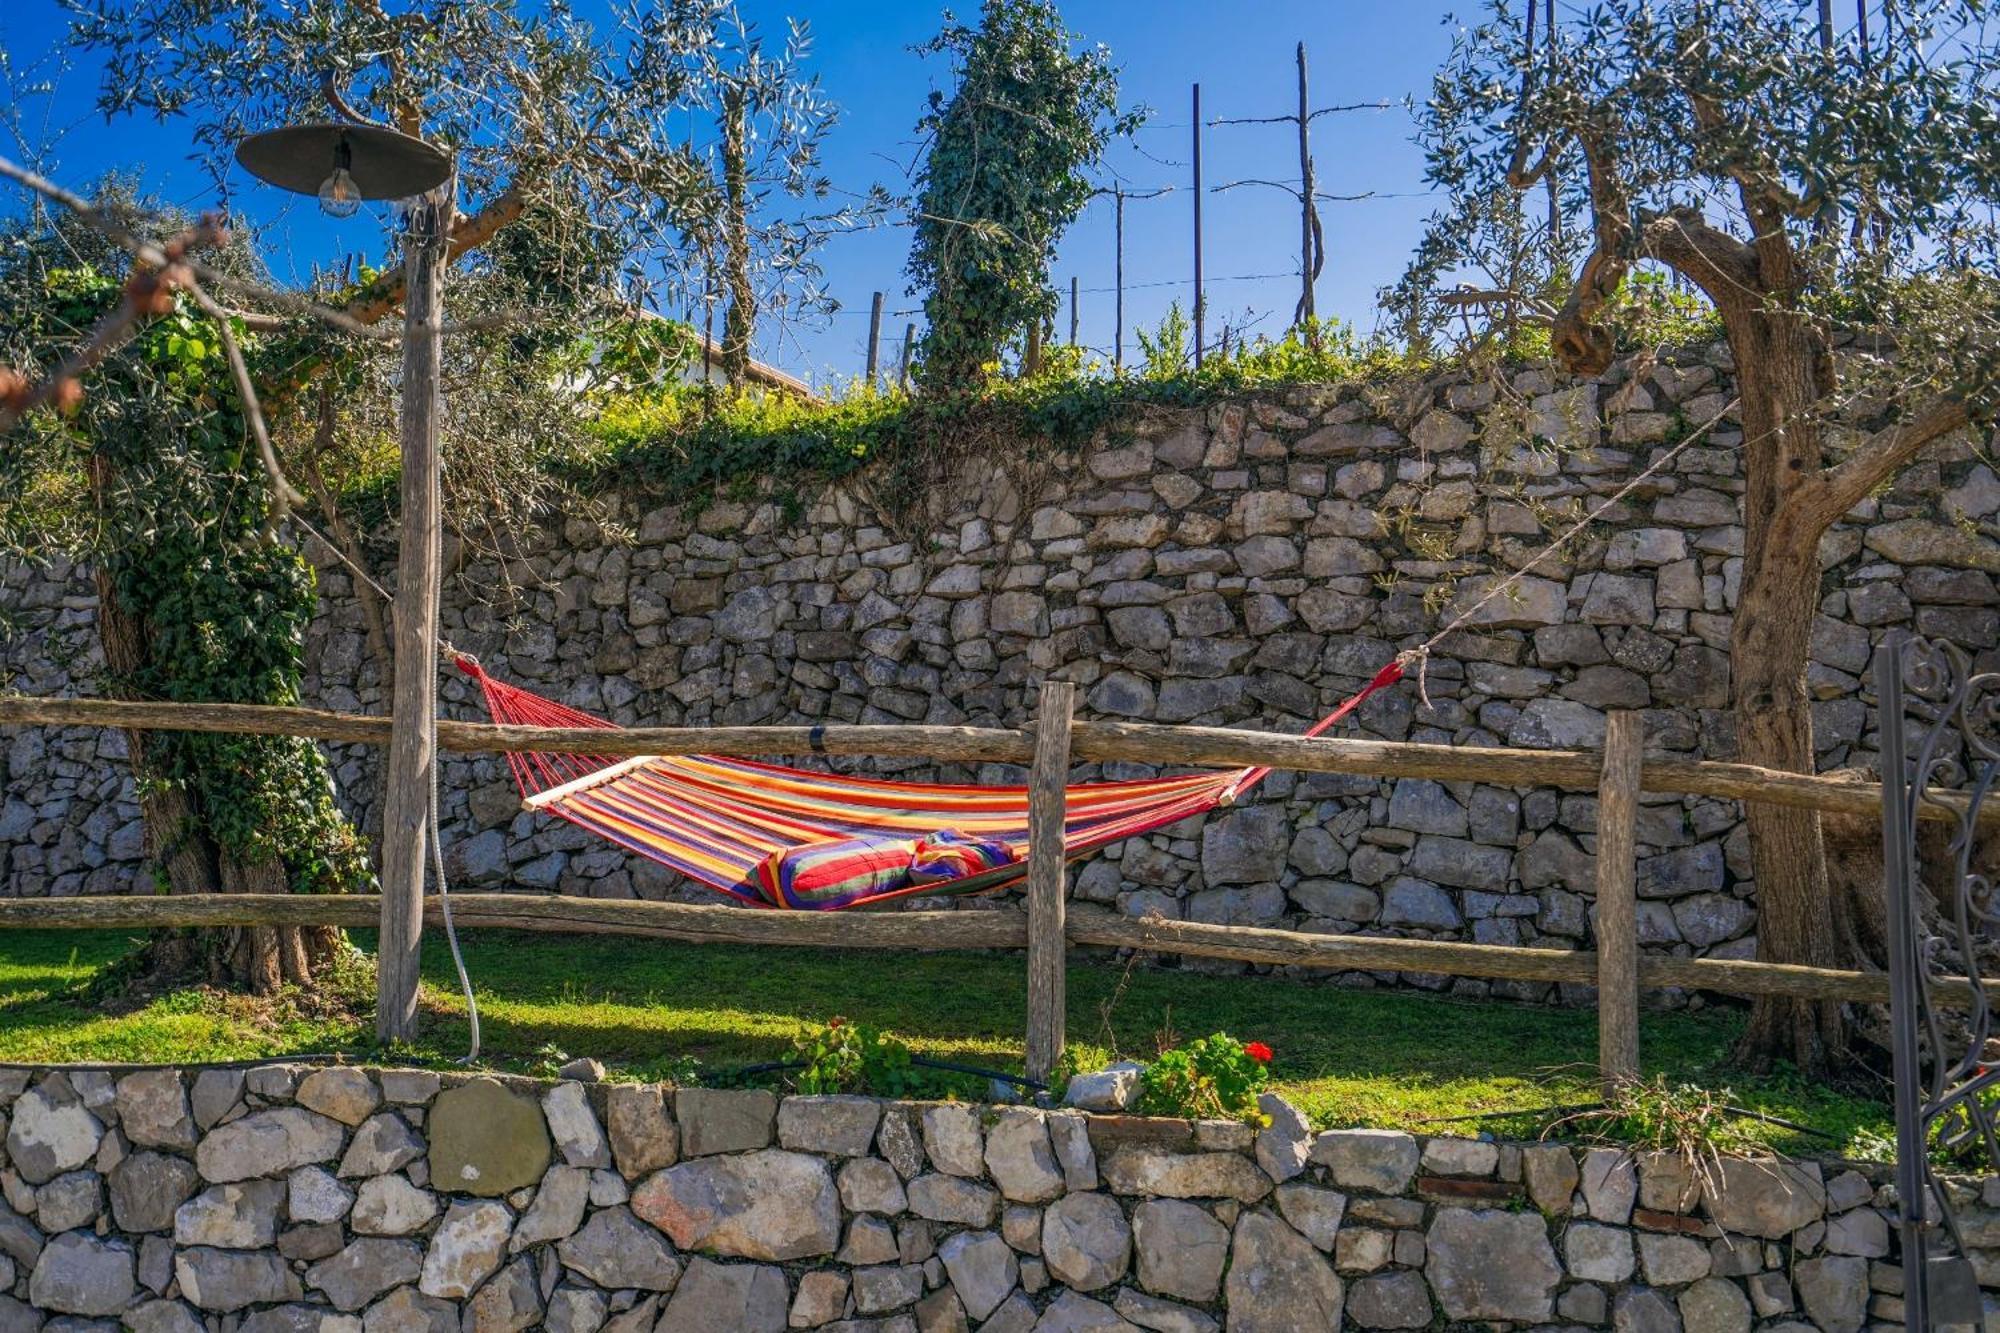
[(1940, 732)]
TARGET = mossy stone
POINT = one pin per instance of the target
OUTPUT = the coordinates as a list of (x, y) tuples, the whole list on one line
[(486, 1140)]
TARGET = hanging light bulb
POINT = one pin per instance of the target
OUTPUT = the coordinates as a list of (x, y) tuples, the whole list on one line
[(339, 196)]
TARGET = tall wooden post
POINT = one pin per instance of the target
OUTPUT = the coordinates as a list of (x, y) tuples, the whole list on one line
[(412, 749), (1047, 877), (909, 346), (1072, 310), (1617, 901), (1118, 280), (1555, 186), (1200, 305), (1306, 310), (874, 338)]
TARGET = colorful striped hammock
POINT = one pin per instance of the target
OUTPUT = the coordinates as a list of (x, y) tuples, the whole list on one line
[(772, 836)]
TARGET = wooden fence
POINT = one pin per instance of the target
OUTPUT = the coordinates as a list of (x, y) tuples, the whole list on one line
[(1619, 774)]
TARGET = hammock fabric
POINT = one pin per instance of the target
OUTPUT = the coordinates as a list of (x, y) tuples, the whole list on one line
[(772, 836)]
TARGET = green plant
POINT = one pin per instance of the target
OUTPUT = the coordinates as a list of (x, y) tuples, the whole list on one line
[(1003, 179), (1166, 349), (1212, 1077), (854, 1057)]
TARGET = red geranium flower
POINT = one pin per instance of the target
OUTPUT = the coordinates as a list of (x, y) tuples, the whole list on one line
[(1257, 1051)]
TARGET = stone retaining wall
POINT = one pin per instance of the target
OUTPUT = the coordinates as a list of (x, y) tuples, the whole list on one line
[(294, 1198), (1249, 563)]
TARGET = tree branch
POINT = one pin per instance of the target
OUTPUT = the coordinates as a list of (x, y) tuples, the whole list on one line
[(1839, 488), (385, 294), (1580, 343)]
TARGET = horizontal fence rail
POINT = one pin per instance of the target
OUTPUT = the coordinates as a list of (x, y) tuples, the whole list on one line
[(1195, 747), (931, 931)]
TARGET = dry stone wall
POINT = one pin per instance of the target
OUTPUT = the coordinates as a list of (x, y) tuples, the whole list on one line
[(284, 1199), (1248, 563)]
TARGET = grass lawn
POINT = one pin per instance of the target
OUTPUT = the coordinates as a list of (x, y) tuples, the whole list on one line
[(655, 1009)]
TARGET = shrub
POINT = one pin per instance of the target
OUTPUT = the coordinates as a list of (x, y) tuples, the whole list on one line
[(1213, 1078)]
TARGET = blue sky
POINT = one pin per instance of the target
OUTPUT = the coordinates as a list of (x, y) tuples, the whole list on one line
[(1242, 54)]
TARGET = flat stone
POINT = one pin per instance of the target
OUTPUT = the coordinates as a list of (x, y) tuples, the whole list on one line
[(1150, 1312), (557, 1210), (1277, 1281), (771, 1205), (1771, 1199), (643, 1137), (1284, 1145), (77, 1273), (1610, 1183), (1144, 1170), (313, 1195), (1643, 1310), (615, 1250), (154, 1317), (1086, 1241), (982, 1268), (953, 1199), (887, 1287), (1390, 1300), (408, 1310), (822, 1296), (510, 1302), (311, 1241), (1460, 1157), (1020, 1159), (1486, 1264), (871, 1185), (941, 1312), (147, 1188), (267, 1143), (485, 1140), (226, 1280), (836, 1126), (1715, 1305), (1069, 1134), (1551, 1174), (574, 1127), (384, 1143), (1598, 1253), (574, 1309), (413, 1087), (1834, 1291), (954, 1141), (1382, 1160), (1112, 1089), (1246, 846), (711, 1297), (153, 1110), (1669, 1260), (1314, 1213), (365, 1269), (899, 1142), (1181, 1249), (717, 1120), (47, 1136), (339, 1093), (239, 1216), (1073, 1313), (466, 1249), (391, 1206)]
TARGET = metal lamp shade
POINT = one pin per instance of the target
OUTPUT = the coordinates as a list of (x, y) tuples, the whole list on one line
[(383, 163)]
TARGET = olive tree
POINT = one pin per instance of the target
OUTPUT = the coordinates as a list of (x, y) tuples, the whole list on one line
[(560, 136), (1825, 193)]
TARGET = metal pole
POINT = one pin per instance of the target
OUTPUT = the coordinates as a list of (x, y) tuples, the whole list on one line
[(1555, 191), (1072, 310), (874, 337), (1118, 279), (412, 729), (1306, 312), (1898, 835), (1200, 304)]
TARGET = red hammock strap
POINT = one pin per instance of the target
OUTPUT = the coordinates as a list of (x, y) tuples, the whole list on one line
[(1384, 678), (509, 705)]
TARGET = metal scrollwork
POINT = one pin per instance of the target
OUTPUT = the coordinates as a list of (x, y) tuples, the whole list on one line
[(1940, 753)]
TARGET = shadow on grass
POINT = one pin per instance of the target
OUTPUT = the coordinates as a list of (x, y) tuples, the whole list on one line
[(1345, 1055)]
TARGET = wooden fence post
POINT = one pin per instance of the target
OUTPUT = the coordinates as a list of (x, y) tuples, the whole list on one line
[(1047, 878), (1617, 901), (412, 752)]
